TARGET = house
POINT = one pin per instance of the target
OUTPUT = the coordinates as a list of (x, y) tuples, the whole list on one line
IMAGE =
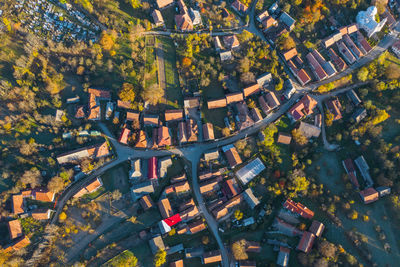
[(230, 188), (95, 151), (141, 140), (17, 204), (366, 20), (195, 16), (289, 89), (287, 20), (396, 48), (268, 23), (334, 106), (196, 226), (239, 6), (166, 224), (364, 169), (284, 138), (135, 171), (186, 204), (208, 132), (298, 208), (274, 8), (234, 97), (264, 106), (146, 202), (338, 61), (163, 165), (152, 168), (318, 71), (164, 3), (249, 197), (125, 104), (290, 54), (226, 55), (208, 174), (252, 247), (165, 208), (283, 256), (243, 119), (255, 115), (264, 79), (345, 52), (132, 116), (163, 137), (218, 103), (223, 209), (80, 112), (41, 214), (191, 105), (192, 130), (302, 108), (95, 96), (43, 195), (189, 213), (231, 41), (263, 16), (250, 170), (359, 115), (217, 44), (156, 244), (369, 195), (316, 228), (211, 155), (309, 130), (327, 66), (14, 229), (302, 76), (90, 187), (352, 46), (182, 137), (178, 178), (252, 89), (383, 190), (184, 22), (286, 228), (150, 120), (212, 256), (18, 244), (178, 263), (123, 138), (141, 189), (232, 155), (306, 242), (178, 187), (272, 100), (353, 97), (209, 186)]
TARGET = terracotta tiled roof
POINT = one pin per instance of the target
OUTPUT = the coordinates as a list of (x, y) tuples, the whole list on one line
[(234, 97), (196, 226), (141, 141), (150, 119), (146, 202), (369, 195), (298, 208), (231, 41), (284, 138), (192, 130), (233, 157), (123, 138), (209, 186), (252, 246), (17, 204), (80, 112), (178, 263), (304, 107), (208, 131), (164, 3), (290, 54), (190, 213), (253, 89), (165, 208), (41, 214), (334, 107), (43, 195), (20, 243), (163, 137), (184, 22), (173, 114), (157, 17), (239, 6), (217, 103), (124, 104), (15, 229), (132, 116), (256, 115), (94, 185)]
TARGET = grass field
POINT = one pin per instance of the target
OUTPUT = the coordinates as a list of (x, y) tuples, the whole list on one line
[(173, 92), (117, 178), (151, 67)]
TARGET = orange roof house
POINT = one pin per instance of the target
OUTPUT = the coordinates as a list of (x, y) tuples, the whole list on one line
[(253, 89), (80, 112), (212, 257), (306, 242), (182, 138), (15, 229), (149, 119), (290, 54), (99, 150), (231, 41), (18, 244), (164, 3), (369, 195), (192, 130), (184, 22), (132, 116), (17, 204), (141, 141), (284, 138), (232, 155), (124, 104), (239, 6), (165, 208), (146, 202), (303, 108), (298, 208), (189, 213), (163, 137), (208, 131), (173, 115), (217, 103), (43, 195), (334, 107), (94, 185), (95, 95), (209, 186), (123, 138), (41, 214), (234, 97), (178, 263), (269, 22), (196, 226)]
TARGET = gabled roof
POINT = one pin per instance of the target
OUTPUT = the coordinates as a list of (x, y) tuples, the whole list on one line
[(171, 221), (165, 208), (41, 214), (18, 244), (17, 204), (209, 186), (163, 3), (208, 131), (217, 103), (43, 195), (306, 242), (178, 263), (163, 136), (94, 185), (298, 208), (123, 138), (156, 244), (192, 130), (252, 89), (250, 170), (272, 100), (182, 137), (173, 114), (317, 228), (290, 54), (304, 107), (334, 107), (211, 257), (231, 41), (189, 213), (141, 141), (284, 138), (234, 97), (146, 202), (149, 119), (196, 226), (309, 130), (132, 116), (184, 22), (255, 114), (15, 229), (239, 6), (157, 17), (233, 156), (369, 195)]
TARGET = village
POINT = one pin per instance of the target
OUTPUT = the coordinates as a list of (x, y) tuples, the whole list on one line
[(273, 168)]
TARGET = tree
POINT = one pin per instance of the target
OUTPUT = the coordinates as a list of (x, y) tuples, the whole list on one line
[(362, 74), (286, 42), (238, 215), (327, 249), (32, 177), (126, 258), (298, 137), (353, 215), (247, 78), (381, 115), (28, 148), (116, 195), (160, 258), (134, 3), (153, 94), (392, 71), (63, 216), (298, 182), (186, 62), (127, 92), (329, 118), (106, 41), (239, 250), (56, 184), (226, 131)]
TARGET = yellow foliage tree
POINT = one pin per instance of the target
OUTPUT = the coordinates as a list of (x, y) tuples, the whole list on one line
[(106, 41), (127, 92)]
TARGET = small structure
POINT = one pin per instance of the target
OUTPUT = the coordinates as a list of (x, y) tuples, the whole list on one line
[(359, 115), (41, 214), (135, 171), (283, 257), (253, 247), (353, 97), (369, 195), (177, 263), (287, 20), (284, 138), (232, 155), (249, 197), (316, 228), (164, 3), (165, 208), (217, 44), (264, 79), (306, 242), (195, 16), (141, 189), (226, 55), (156, 244), (383, 191), (250, 170), (290, 54), (212, 256), (217, 103), (146, 202), (211, 155), (208, 132)]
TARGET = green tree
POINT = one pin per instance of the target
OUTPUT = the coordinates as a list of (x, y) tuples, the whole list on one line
[(160, 258), (125, 259), (298, 137), (127, 93), (362, 74)]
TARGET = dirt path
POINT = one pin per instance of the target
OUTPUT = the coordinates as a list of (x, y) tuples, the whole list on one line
[(161, 67)]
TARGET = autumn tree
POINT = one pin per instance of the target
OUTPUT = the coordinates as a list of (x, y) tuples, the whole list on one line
[(238, 215), (392, 71), (298, 183), (160, 258), (298, 137), (226, 132), (239, 250), (327, 249), (106, 41), (28, 148), (186, 62), (56, 184), (286, 42), (247, 78), (381, 115), (329, 118), (153, 94), (362, 74), (32, 177), (127, 93)]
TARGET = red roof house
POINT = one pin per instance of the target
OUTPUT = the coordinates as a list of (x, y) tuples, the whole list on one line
[(152, 171), (298, 208), (306, 242), (123, 138)]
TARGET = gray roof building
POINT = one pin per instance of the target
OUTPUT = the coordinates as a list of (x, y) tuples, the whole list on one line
[(250, 170)]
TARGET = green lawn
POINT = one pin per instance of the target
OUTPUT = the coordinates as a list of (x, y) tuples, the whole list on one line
[(151, 67), (173, 92), (117, 178)]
